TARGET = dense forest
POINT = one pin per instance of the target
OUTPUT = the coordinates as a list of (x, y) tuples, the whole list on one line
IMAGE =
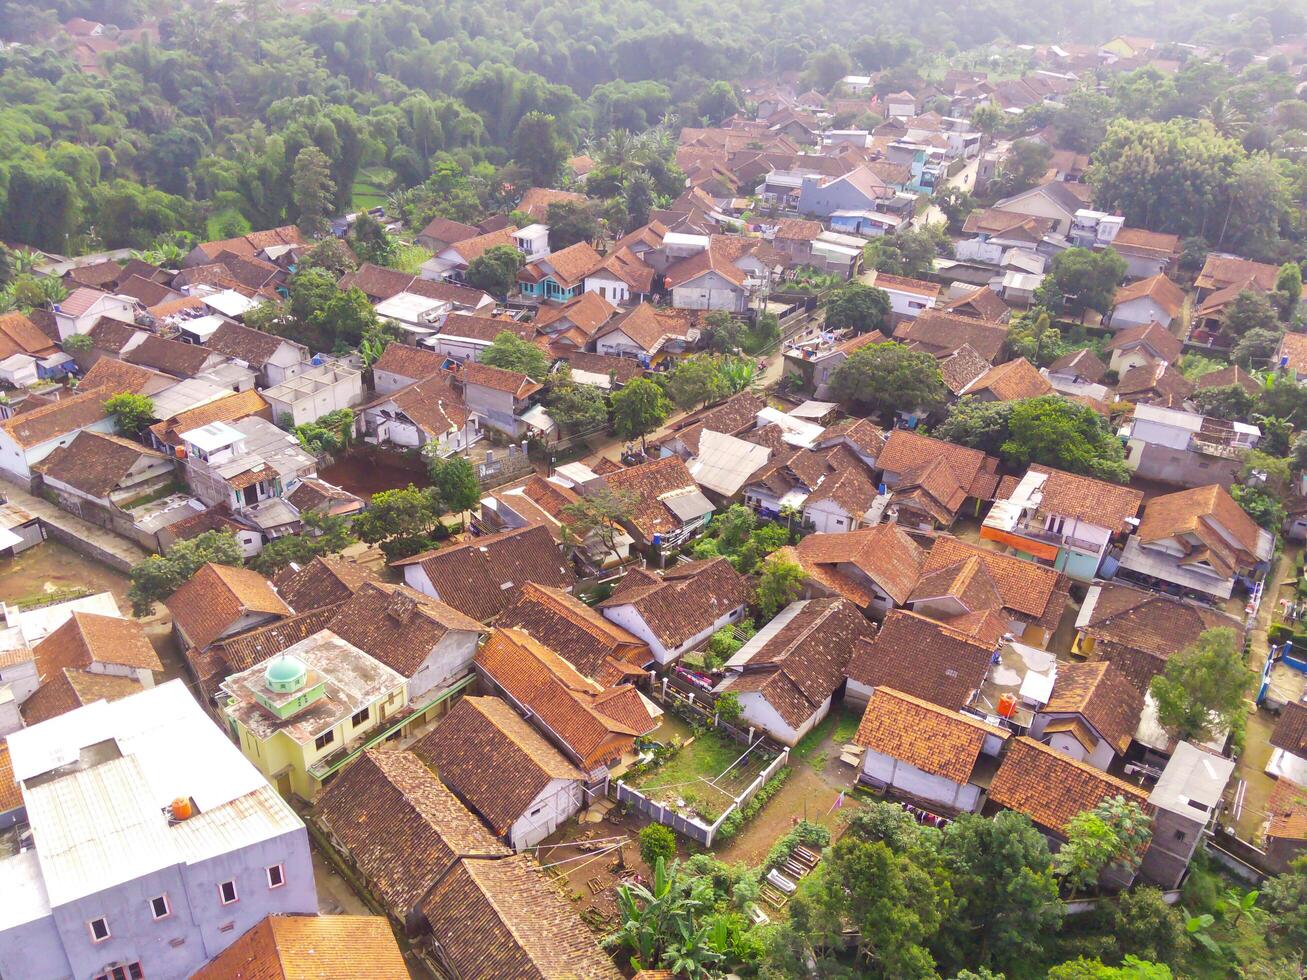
[(200, 132)]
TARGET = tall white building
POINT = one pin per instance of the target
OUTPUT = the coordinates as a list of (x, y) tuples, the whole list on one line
[(157, 844)]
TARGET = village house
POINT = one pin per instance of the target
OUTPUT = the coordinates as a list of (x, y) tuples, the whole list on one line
[(27, 355), (921, 657), (480, 578), (1198, 541), (79, 311), (786, 675), (205, 847), (464, 337), (503, 770), (959, 579), (734, 417), (560, 275), (440, 233), (676, 610), (667, 508), (571, 325), (315, 391), (30, 437), (259, 244), (220, 601), (300, 714), (726, 275), (401, 365), (1010, 381), (165, 435), (451, 262), (1289, 744), (816, 359), (1146, 253), (1062, 518), (1286, 824), (434, 868), (909, 298), (1056, 199), (1051, 788), (596, 646), (1149, 345), (621, 278), (939, 333), (1138, 631), (89, 658), (172, 357), (1186, 449), (1185, 800), (1291, 355), (927, 754), (981, 303), (97, 474), (327, 580), (537, 500), (930, 481), (875, 568), (341, 945), (858, 190), (428, 412), (997, 232), (1079, 373), (1153, 300), (1091, 715), (498, 398), (274, 359), (597, 370), (593, 725)]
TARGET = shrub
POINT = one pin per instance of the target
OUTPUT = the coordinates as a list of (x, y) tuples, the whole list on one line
[(805, 834), (657, 841)]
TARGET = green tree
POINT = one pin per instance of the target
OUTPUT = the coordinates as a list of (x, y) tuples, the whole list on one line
[(657, 843), (1021, 167), (1006, 905), (780, 583), (455, 483), (601, 516), (1065, 435), (1132, 969), (538, 148), (1288, 290), (859, 308), (725, 333), (638, 409), (343, 321), (662, 925), (1263, 506), (1081, 279), (1033, 336), (159, 576), (1144, 924), (512, 353), (1115, 832), (1250, 310), (131, 413), (1201, 689), (370, 241), (576, 407), (571, 222), (1285, 896), (909, 253), (313, 190), (495, 270), (695, 381), (728, 707), (324, 534), (400, 521), (979, 424), (332, 255), (956, 204), (1231, 402), (887, 378)]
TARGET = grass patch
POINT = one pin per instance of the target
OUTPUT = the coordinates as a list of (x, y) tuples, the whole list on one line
[(409, 258), (42, 599), (371, 187), (704, 758), (838, 726)]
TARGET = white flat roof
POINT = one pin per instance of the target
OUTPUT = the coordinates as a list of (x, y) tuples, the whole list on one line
[(796, 432), (409, 306), (213, 436), (230, 303), (24, 890), (725, 463), (203, 326), (36, 624), (532, 231)]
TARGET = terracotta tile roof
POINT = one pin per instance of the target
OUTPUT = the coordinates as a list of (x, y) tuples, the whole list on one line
[(376, 281), (1293, 348), (1011, 381), (97, 275), (87, 639), (68, 689), (798, 229), (923, 658), (311, 947), (1093, 501), (1138, 631), (554, 617), (1158, 288), (80, 300), (1030, 592), (711, 259), (1082, 363), (112, 376), (1220, 271), (1232, 375), (447, 231), (846, 482), (650, 327), (536, 200), (479, 578), (11, 798), (254, 347), (967, 580), (249, 245), (568, 267), (56, 419), (93, 462), (733, 417), (399, 826), (560, 699), (1155, 384), (903, 284), (432, 405), (863, 434), (232, 408), (995, 222), (1103, 696), (19, 335), (588, 312), (449, 292), (325, 581), (884, 554), (472, 248), (983, 303), (935, 740), (628, 267), (504, 919), (622, 370), (962, 368), (647, 485), (684, 600), (498, 379), (217, 596), (1287, 808), (314, 494), (494, 761), (938, 332), (799, 666), (397, 625), (145, 291), (1228, 538), (907, 453), (1051, 788), (1290, 731), (112, 335), (1151, 335), (476, 326), (214, 665), (414, 363)]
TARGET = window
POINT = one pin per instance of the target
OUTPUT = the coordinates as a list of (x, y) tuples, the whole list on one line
[(360, 717), (99, 929), (325, 739), (276, 876), (227, 892), (132, 971), (159, 907)]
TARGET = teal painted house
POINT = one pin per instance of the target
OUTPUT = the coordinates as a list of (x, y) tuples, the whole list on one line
[(559, 276)]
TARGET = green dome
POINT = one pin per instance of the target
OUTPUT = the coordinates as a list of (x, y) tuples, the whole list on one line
[(285, 674)]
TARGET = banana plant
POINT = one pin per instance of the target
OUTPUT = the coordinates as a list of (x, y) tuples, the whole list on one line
[(1196, 926), (1236, 907)]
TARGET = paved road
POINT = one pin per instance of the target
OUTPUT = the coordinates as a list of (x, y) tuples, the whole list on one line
[(965, 179), (113, 550)]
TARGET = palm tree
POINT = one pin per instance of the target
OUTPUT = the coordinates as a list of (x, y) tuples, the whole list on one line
[(1225, 117)]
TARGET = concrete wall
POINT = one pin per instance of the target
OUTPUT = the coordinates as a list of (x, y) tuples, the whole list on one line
[(1179, 467), (829, 517), (710, 292), (546, 813), (911, 781), (448, 660), (34, 951), (613, 290), (1138, 312), (760, 714)]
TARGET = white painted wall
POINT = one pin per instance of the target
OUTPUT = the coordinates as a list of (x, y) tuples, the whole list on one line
[(829, 517), (449, 659), (546, 813), (629, 618), (757, 712), (1138, 312), (921, 785)]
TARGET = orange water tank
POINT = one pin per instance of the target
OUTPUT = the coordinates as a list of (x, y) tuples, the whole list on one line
[(180, 808), (1007, 705)]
